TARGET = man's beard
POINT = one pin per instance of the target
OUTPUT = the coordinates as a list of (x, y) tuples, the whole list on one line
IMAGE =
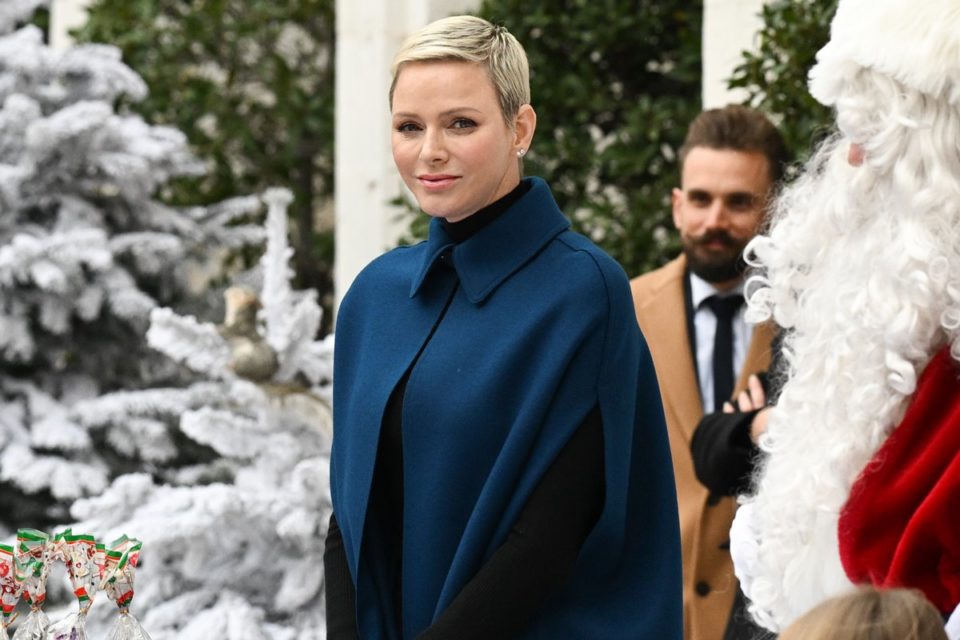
[(711, 266), (860, 270)]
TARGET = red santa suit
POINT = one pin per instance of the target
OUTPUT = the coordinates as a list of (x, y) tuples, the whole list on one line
[(900, 526)]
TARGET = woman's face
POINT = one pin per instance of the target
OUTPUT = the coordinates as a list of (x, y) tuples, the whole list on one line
[(450, 142)]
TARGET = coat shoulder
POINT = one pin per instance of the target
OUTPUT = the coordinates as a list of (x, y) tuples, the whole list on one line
[(385, 279), (598, 270), (651, 284), (394, 265)]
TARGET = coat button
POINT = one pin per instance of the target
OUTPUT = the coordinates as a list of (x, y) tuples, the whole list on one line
[(702, 589)]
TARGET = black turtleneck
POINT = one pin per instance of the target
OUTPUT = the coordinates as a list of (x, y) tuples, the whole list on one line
[(541, 550), (463, 229)]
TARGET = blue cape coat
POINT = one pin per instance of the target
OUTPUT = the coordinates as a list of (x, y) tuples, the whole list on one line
[(540, 329)]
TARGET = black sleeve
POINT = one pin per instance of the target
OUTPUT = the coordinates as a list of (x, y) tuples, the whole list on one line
[(723, 454), (339, 592), (540, 553)]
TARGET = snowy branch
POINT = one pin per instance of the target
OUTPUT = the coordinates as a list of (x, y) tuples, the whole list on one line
[(196, 344), (15, 11)]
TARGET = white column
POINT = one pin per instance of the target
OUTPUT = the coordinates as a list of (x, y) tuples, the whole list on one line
[(368, 35), (64, 16), (729, 28)]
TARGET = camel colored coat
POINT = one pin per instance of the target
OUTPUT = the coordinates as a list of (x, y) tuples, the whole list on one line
[(709, 584)]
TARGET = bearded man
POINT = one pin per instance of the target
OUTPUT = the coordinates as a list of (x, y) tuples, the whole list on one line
[(691, 313), (861, 266)]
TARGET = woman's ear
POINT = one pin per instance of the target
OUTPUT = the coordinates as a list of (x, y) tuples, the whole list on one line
[(525, 124)]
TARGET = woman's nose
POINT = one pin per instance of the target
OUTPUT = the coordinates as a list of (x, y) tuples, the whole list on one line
[(434, 148)]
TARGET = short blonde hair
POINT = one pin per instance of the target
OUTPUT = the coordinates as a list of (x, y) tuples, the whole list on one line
[(472, 39), (870, 614)]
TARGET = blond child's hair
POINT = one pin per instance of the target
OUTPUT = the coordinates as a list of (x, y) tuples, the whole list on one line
[(870, 614)]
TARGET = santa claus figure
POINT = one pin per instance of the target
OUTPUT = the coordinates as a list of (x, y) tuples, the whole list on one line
[(860, 482)]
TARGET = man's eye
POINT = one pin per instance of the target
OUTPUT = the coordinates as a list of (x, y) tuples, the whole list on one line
[(741, 203), (698, 198)]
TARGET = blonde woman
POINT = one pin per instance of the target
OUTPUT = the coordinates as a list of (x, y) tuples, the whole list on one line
[(500, 467)]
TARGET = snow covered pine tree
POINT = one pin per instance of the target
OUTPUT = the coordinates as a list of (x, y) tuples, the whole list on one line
[(89, 258), (85, 254), (233, 548)]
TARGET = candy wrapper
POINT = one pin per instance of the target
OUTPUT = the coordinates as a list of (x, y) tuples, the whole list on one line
[(31, 562), (121, 562), (127, 628), (9, 590), (80, 554)]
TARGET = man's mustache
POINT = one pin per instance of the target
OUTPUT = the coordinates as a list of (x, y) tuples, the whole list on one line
[(716, 236)]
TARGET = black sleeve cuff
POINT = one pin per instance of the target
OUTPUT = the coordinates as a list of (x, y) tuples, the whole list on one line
[(724, 457), (339, 591)]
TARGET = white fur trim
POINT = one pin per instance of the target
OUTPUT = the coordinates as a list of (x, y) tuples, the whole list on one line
[(953, 625), (744, 547), (915, 42)]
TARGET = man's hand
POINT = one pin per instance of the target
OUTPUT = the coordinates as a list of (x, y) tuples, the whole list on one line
[(752, 399)]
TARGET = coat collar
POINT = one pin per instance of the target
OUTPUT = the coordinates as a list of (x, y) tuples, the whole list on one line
[(490, 256)]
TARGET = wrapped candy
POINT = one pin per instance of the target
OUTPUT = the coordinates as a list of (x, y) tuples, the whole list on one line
[(31, 561), (9, 590), (120, 563), (79, 553)]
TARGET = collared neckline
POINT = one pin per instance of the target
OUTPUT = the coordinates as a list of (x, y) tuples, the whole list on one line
[(491, 255), (463, 229), (700, 290)]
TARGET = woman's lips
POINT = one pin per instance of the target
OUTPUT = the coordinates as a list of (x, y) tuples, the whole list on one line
[(437, 182)]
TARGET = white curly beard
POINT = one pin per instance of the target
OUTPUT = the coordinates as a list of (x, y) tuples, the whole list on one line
[(864, 274)]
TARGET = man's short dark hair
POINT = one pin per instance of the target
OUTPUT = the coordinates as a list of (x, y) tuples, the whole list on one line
[(738, 128)]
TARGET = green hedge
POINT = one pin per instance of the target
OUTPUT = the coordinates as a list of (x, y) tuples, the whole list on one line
[(775, 76)]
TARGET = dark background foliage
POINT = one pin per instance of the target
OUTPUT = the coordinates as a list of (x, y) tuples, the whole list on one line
[(775, 75)]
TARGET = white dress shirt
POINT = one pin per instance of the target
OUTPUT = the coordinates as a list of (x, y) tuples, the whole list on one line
[(705, 325)]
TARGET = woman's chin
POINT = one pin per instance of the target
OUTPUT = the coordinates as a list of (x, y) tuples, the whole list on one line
[(450, 215)]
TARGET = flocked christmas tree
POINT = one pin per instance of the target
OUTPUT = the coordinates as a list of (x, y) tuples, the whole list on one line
[(234, 547), (210, 442), (86, 253)]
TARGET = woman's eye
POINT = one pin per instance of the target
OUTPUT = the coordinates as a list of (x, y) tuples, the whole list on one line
[(408, 127), (463, 123)]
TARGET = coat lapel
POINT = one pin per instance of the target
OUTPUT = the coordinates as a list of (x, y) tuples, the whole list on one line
[(662, 315), (758, 355)]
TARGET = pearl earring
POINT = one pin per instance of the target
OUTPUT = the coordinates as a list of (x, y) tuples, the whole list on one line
[(520, 152)]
